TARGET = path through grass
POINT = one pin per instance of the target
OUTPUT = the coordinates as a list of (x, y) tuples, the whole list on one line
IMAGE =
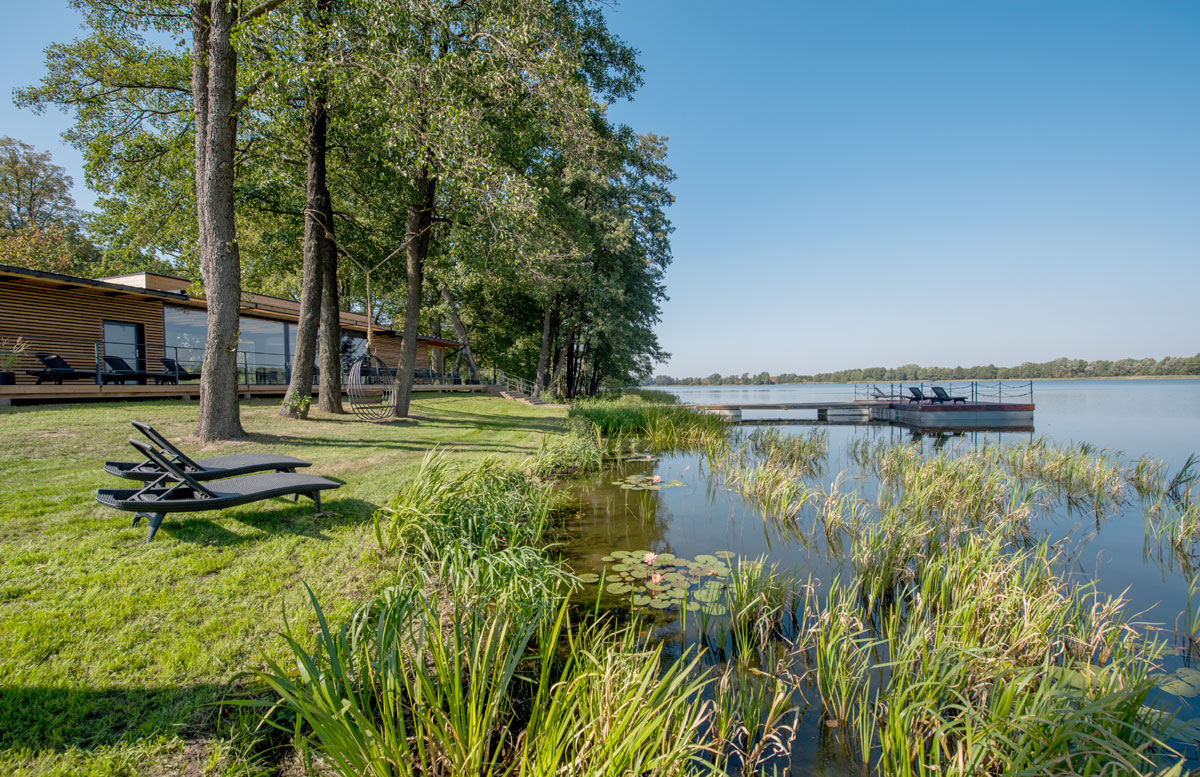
[(113, 646)]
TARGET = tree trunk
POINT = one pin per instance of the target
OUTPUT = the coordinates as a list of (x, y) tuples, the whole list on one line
[(330, 391), (316, 205), (549, 333), (418, 223), (220, 266), (436, 360), (570, 366), (460, 332)]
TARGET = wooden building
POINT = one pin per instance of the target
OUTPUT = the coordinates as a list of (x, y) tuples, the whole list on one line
[(144, 318)]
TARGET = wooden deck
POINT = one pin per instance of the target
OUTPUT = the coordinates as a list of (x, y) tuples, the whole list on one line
[(78, 390), (931, 415)]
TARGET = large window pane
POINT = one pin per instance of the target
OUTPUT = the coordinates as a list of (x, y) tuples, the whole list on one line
[(184, 332), (262, 353)]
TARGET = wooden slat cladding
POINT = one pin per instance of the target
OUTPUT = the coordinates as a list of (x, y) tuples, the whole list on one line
[(69, 321), (389, 350)]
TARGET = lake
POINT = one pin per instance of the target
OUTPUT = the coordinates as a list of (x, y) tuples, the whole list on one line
[(700, 516)]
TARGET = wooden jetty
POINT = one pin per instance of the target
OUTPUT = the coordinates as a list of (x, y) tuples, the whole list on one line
[(925, 415)]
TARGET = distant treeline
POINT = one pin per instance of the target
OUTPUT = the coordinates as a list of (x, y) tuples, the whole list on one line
[(1059, 368)]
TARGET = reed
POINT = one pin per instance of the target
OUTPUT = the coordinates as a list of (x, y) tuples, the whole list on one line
[(661, 427), (487, 506)]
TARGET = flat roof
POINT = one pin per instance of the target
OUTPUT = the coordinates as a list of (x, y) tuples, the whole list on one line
[(110, 288)]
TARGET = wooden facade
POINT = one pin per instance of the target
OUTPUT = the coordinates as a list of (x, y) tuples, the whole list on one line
[(70, 317)]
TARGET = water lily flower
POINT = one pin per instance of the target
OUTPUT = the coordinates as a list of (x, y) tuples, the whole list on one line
[(656, 479), (656, 578), (650, 558)]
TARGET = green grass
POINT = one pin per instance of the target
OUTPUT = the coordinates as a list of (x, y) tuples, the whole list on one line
[(113, 647)]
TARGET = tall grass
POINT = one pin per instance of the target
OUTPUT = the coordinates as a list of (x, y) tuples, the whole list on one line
[(660, 427), (488, 507)]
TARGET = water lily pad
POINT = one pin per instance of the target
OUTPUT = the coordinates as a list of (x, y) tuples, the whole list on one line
[(608, 558), (660, 604), (639, 572), (657, 587), (665, 558), (640, 600), (707, 560), (712, 609), (707, 595), (618, 588), (1185, 683), (589, 577), (725, 554), (1188, 731), (676, 593), (620, 567)]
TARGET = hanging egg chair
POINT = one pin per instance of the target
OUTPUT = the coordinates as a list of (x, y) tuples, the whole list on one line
[(371, 388)]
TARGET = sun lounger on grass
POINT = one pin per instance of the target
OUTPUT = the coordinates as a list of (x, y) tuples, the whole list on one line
[(940, 395), (200, 469), (178, 492)]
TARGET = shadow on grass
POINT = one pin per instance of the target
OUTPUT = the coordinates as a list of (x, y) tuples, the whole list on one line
[(290, 520), (38, 719)]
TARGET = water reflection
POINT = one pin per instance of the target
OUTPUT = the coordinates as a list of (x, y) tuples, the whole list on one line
[(1097, 543)]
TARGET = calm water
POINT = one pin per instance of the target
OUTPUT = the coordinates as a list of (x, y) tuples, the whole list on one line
[(1156, 418)]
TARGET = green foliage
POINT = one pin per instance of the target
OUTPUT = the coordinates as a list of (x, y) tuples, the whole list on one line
[(661, 427), (488, 507)]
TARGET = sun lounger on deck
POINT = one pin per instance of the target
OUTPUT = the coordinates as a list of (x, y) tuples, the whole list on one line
[(178, 372), (211, 468), (178, 492), (118, 367), (56, 369), (940, 395)]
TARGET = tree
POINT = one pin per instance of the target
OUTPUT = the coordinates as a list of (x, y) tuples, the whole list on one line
[(35, 193), (459, 83)]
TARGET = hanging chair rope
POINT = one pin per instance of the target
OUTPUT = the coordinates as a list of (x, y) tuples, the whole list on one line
[(371, 388)]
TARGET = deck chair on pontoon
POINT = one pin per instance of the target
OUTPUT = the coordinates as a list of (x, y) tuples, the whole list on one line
[(212, 468), (918, 395), (175, 491), (940, 395)]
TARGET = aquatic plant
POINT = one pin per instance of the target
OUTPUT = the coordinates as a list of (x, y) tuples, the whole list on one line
[(646, 483), (488, 506), (663, 580), (659, 427)]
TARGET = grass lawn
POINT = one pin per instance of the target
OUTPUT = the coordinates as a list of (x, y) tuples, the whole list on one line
[(113, 646)]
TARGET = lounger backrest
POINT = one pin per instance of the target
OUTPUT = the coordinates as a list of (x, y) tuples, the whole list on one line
[(941, 392), (162, 442), (118, 364), (53, 361), (169, 467), (916, 392)]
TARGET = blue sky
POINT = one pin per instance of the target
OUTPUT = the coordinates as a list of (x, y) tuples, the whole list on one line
[(877, 183)]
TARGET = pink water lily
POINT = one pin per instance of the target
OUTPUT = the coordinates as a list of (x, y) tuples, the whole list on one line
[(656, 479), (650, 558), (656, 578)]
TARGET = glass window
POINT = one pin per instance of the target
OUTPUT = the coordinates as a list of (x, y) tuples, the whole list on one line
[(184, 333), (263, 347), (262, 351)]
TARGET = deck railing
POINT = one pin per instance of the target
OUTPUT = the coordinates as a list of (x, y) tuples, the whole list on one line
[(987, 391)]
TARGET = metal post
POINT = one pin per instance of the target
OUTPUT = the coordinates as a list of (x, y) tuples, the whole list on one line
[(96, 353)]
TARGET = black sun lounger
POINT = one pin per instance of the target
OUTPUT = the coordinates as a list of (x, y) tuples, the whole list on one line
[(918, 395), (177, 372), (187, 495), (942, 396), (200, 469), (120, 368), (57, 370)]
